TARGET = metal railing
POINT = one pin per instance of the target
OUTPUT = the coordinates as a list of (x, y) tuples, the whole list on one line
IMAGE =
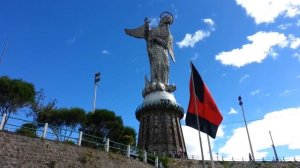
[(242, 159), (80, 139)]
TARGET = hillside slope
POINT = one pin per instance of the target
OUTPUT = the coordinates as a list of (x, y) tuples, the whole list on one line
[(19, 151)]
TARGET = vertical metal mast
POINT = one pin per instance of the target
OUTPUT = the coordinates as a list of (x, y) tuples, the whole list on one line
[(276, 157), (97, 79), (198, 124), (241, 104)]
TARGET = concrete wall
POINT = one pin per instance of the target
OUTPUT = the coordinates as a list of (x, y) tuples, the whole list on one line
[(18, 151)]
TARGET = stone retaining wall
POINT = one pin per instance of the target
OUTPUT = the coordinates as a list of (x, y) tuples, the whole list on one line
[(18, 151)]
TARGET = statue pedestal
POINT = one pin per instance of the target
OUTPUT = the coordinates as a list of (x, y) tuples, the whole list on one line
[(160, 130)]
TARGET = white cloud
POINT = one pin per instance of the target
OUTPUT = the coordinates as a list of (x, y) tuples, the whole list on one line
[(71, 41), (220, 133), (192, 143), (175, 11), (196, 55), (294, 41), (284, 134), (266, 11), (184, 116), (153, 22), (190, 40), (297, 55), (255, 92), (105, 52), (292, 158), (210, 23), (244, 77), (262, 45), (298, 23), (287, 92), (284, 26), (232, 111)]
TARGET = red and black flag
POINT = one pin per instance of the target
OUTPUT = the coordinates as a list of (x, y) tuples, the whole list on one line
[(202, 106)]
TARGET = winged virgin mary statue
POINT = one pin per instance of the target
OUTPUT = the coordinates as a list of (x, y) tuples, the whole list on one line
[(159, 47)]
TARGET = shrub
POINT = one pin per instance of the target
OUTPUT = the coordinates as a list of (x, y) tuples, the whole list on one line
[(28, 129)]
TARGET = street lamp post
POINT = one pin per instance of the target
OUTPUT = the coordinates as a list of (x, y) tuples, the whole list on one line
[(241, 104), (97, 79)]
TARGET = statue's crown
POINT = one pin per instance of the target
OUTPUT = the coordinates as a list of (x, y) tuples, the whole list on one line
[(168, 15)]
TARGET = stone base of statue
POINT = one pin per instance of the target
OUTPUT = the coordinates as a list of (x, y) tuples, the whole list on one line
[(160, 130)]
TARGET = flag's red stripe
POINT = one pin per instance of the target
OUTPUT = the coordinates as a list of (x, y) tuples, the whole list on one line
[(207, 109), (205, 126)]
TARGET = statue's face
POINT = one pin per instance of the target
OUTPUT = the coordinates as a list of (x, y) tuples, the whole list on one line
[(166, 20)]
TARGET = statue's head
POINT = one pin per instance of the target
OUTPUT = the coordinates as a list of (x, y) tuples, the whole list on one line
[(166, 18)]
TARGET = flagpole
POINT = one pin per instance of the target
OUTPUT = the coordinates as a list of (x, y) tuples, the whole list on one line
[(273, 146), (196, 108), (210, 153)]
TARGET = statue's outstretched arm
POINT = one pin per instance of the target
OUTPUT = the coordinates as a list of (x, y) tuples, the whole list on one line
[(138, 32)]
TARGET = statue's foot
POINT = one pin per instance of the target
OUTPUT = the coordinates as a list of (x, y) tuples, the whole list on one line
[(160, 87), (170, 88), (153, 87)]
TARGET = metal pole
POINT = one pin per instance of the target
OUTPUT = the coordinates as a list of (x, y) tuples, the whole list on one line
[(145, 157), (2, 121), (241, 104), (210, 152), (128, 151), (276, 157), (95, 96), (45, 131), (156, 161), (80, 138), (198, 125), (107, 145), (96, 80)]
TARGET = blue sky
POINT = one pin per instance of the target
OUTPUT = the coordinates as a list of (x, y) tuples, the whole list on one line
[(243, 47)]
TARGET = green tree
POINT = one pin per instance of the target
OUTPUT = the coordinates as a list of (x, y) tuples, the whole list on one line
[(105, 124), (72, 118), (63, 121), (14, 95), (128, 136), (38, 105), (28, 129)]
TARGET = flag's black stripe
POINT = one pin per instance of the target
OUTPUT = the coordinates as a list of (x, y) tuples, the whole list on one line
[(198, 84), (205, 125)]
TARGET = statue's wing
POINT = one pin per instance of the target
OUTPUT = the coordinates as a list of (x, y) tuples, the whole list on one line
[(138, 32), (170, 48)]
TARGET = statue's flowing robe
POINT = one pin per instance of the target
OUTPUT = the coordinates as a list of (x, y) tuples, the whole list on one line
[(158, 54)]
